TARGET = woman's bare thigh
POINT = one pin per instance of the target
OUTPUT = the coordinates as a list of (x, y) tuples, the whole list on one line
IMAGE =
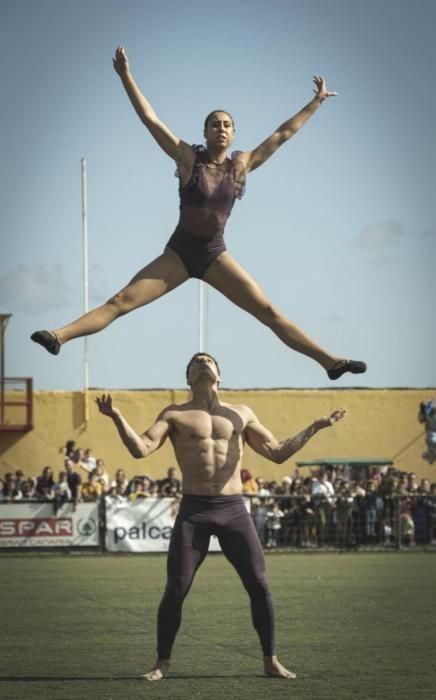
[(231, 279), (154, 280)]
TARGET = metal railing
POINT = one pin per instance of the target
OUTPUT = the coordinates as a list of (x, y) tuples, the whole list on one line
[(16, 404), (344, 521), (301, 523)]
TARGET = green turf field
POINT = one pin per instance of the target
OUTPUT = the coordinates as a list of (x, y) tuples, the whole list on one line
[(350, 625)]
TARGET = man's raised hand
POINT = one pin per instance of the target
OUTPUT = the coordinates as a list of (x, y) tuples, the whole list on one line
[(105, 405), (334, 417)]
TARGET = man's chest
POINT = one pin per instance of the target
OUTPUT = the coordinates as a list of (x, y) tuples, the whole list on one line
[(197, 425)]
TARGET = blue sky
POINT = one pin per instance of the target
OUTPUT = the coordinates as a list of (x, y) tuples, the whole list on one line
[(338, 227)]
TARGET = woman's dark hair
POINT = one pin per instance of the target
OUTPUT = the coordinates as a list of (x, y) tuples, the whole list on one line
[(201, 354), (210, 115)]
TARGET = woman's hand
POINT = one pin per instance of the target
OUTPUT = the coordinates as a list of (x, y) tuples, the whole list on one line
[(120, 61), (320, 89)]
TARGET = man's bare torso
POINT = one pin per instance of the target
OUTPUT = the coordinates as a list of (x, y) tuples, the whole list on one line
[(208, 446)]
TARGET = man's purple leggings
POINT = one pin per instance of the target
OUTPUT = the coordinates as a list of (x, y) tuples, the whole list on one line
[(226, 517)]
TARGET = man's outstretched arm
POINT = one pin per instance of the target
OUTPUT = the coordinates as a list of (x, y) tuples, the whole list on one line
[(262, 441), (138, 445)]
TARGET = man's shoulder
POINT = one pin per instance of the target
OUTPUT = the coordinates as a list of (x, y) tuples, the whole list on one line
[(172, 409), (245, 413), (239, 407)]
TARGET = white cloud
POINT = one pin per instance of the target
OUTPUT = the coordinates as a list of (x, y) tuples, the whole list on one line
[(33, 288), (382, 235)]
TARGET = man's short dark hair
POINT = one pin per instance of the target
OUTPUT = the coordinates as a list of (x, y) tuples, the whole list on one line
[(201, 354)]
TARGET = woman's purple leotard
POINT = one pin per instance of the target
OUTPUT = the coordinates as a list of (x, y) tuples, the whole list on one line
[(206, 202)]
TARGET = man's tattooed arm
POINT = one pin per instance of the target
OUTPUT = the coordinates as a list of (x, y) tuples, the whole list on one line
[(264, 442)]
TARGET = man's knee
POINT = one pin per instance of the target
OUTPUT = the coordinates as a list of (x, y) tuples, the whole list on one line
[(257, 585), (177, 589)]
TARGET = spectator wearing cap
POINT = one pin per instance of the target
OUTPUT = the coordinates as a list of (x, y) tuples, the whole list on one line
[(285, 486), (284, 491), (262, 488)]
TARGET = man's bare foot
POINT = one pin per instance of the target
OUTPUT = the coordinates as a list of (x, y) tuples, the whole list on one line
[(159, 671), (274, 668)]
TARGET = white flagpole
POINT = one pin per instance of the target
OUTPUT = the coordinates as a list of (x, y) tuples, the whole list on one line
[(85, 281), (200, 316)]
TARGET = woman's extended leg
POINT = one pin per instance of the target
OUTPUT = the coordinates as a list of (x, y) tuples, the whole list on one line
[(156, 279), (230, 278)]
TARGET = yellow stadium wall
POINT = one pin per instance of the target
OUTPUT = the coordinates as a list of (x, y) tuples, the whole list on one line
[(379, 423)]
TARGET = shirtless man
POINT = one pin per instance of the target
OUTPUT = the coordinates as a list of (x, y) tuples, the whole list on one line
[(208, 437)]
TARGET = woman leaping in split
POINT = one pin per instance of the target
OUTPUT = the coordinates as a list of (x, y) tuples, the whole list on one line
[(209, 183)]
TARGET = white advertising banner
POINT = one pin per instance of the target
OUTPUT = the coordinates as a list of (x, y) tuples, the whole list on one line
[(144, 525), (36, 525), (141, 526)]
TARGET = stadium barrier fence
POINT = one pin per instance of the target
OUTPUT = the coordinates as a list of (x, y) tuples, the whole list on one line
[(344, 521), (283, 522)]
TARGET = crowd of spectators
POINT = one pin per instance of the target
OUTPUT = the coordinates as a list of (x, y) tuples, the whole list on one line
[(329, 507), (84, 478)]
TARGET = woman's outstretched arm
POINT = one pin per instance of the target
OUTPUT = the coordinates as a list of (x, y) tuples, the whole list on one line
[(177, 149), (253, 159)]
